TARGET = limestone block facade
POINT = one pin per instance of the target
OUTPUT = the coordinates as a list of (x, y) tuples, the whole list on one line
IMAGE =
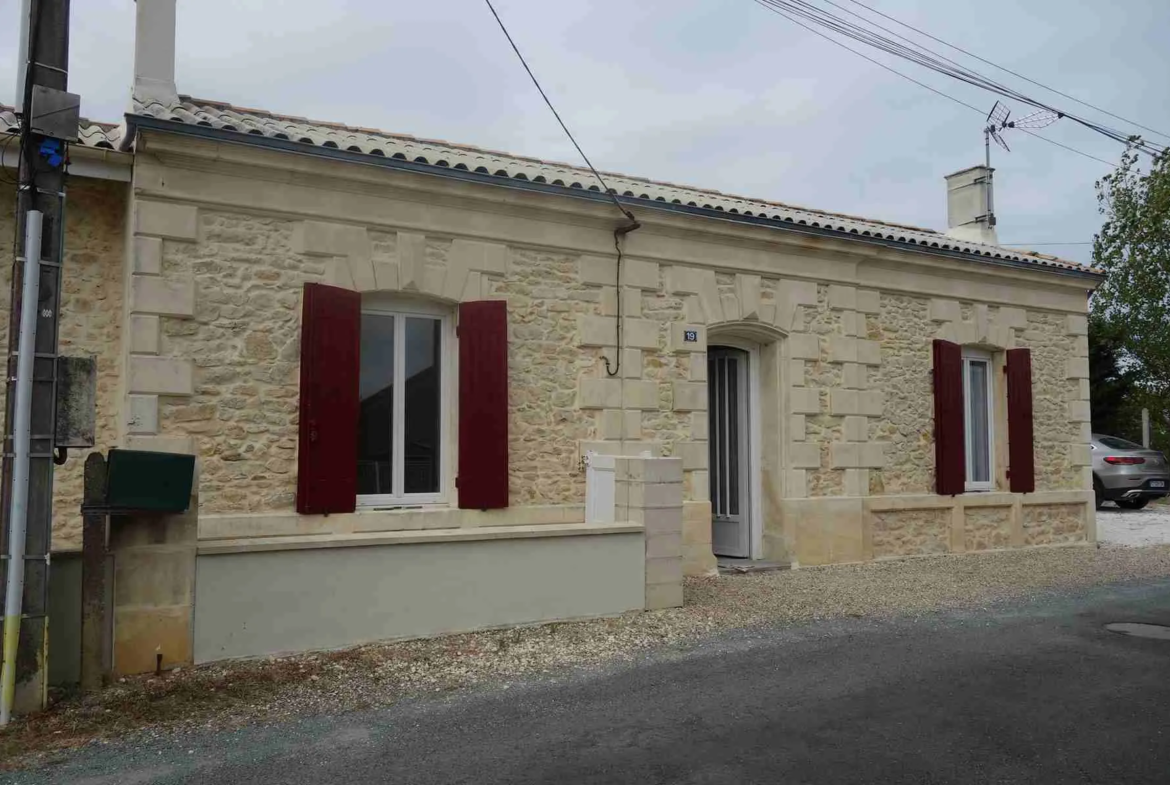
[(223, 237)]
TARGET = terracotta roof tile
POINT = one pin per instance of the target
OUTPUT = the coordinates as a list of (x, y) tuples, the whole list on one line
[(258, 122), (106, 136)]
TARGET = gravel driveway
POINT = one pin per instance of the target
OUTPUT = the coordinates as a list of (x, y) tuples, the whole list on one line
[(1150, 526)]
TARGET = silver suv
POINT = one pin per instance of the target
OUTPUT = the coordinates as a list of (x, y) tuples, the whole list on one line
[(1128, 473)]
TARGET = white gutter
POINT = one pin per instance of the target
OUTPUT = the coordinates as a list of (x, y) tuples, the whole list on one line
[(92, 162)]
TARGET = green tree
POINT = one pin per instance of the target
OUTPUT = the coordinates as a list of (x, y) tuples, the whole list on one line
[(1114, 391), (1133, 248)]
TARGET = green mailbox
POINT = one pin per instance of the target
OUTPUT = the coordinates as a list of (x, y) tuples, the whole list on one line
[(149, 481)]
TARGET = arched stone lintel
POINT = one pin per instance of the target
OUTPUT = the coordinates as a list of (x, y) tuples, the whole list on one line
[(760, 332)]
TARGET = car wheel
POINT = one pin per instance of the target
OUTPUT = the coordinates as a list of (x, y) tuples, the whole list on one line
[(1132, 504), (1098, 493)]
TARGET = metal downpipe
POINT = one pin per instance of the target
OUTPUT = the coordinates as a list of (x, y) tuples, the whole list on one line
[(22, 417)]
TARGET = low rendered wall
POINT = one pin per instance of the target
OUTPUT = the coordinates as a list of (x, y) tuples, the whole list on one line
[(269, 598), (842, 530)]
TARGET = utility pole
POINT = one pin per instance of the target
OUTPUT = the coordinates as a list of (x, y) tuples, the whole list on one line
[(48, 120)]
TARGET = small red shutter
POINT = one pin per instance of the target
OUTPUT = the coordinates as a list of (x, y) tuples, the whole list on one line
[(483, 405), (330, 364), (950, 448), (1021, 464)]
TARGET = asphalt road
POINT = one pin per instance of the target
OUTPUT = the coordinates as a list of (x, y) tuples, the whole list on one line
[(1038, 693)]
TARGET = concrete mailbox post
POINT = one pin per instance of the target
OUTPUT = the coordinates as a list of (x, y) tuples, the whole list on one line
[(139, 508)]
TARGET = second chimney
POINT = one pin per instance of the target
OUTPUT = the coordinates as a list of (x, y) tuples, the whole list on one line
[(154, 52), (970, 209)]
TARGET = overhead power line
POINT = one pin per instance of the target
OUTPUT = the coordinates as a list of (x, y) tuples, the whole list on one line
[(1010, 71), (770, 7), (557, 115), (615, 368), (1036, 245), (870, 34)]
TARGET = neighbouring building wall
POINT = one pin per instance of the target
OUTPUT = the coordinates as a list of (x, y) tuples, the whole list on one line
[(91, 320), (219, 260)]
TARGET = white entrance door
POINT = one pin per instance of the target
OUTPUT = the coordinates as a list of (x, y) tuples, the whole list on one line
[(727, 401)]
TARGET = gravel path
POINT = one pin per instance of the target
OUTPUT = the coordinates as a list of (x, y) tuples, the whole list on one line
[(1150, 526), (272, 690)]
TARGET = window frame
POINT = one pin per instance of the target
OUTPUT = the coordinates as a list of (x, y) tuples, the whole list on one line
[(985, 357), (401, 310)]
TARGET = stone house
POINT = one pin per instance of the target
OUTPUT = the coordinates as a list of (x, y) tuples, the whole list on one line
[(370, 339)]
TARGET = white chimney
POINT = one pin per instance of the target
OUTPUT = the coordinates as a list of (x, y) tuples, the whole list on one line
[(154, 52), (970, 208)]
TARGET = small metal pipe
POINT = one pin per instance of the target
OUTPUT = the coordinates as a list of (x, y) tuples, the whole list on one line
[(21, 427)]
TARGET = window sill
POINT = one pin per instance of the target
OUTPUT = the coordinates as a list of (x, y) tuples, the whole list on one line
[(366, 539), (393, 506)]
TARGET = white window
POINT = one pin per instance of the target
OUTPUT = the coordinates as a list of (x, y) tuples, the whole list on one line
[(402, 425), (978, 414)]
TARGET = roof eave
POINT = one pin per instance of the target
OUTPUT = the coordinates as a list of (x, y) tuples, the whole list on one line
[(134, 122)]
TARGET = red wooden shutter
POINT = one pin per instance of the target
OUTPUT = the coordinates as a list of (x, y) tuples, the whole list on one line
[(1021, 464), (950, 447), (330, 365), (483, 405)]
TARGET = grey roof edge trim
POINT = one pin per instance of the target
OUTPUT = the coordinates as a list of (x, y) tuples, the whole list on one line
[(134, 122)]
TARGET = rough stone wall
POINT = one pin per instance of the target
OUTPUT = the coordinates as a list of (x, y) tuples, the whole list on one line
[(1055, 428), (911, 532), (905, 328), (221, 294), (905, 332), (243, 341), (987, 528), (1050, 524), (544, 424), (91, 321)]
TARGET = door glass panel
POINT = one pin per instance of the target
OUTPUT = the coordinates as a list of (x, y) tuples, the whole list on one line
[(713, 430), (376, 419), (732, 371), (977, 415), (421, 423), (721, 434)]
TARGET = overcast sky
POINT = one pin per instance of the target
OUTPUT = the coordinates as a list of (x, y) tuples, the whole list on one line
[(713, 93)]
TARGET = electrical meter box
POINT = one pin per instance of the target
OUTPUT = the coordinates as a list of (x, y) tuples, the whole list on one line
[(149, 481)]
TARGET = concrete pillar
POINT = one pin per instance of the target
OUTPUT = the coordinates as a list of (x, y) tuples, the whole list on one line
[(650, 491), (154, 589)]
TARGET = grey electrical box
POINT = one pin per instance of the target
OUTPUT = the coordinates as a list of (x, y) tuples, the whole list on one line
[(55, 113), (76, 402)]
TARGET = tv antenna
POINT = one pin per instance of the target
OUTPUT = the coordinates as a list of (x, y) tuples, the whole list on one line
[(998, 121)]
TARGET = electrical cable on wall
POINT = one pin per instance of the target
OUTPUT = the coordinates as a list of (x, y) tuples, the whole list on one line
[(26, 105), (620, 232)]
